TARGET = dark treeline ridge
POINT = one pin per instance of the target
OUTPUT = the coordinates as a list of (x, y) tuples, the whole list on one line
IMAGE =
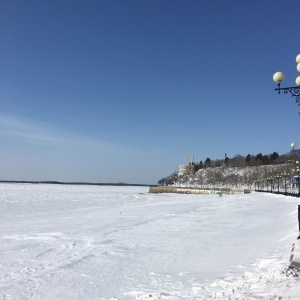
[(248, 160), (74, 183)]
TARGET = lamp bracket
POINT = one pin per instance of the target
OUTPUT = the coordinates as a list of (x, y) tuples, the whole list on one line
[(293, 90)]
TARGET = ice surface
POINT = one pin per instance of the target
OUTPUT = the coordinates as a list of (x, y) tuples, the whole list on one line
[(97, 242)]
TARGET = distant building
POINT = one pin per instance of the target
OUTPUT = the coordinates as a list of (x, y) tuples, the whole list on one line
[(187, 169), (191, 159), (184, 169)]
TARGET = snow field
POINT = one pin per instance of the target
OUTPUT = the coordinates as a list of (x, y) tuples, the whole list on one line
[(97, 242)]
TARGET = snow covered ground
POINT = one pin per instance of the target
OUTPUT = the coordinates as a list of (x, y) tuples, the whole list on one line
[(97, 242)]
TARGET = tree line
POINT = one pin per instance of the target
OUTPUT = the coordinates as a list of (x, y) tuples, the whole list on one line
[(248, 160)]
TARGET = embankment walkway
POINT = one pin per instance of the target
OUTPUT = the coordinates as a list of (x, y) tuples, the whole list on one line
[(184, 190)]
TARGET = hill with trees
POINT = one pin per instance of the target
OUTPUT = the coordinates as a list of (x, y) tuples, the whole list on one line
[(238, 172)]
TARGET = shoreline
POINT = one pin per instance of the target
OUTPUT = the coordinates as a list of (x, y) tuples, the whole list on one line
[(75, 183)]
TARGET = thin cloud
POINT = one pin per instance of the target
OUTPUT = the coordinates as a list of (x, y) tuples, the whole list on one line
[(49, 135)]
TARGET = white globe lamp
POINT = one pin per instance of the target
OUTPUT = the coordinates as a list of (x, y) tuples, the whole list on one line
[(294, 91), (278, 77)]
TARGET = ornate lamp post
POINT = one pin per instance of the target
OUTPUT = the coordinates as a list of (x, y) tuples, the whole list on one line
[(278, 77), (293, 147), (278, 177), (257, 185), (271, 180), (297, 170), (284, 175)]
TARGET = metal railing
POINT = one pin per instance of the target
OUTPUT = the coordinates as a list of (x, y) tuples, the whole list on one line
[(290, 193)]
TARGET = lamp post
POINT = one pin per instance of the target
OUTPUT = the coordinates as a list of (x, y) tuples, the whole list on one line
[(256, 185), (271, 180), (298, 181), (278, 77), (293, 147), (297, 170), (278, 177), (284, 175)]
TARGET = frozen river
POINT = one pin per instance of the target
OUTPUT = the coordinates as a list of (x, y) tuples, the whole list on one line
[(102, 242)]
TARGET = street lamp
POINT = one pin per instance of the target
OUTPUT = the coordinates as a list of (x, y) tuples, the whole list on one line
[(297, 171), (271, 180), (278, 77), (293, 147), (278, 177), (258, 185), (284, 175), (298, 175)]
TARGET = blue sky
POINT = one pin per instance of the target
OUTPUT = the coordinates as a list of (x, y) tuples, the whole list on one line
[(123, 91)]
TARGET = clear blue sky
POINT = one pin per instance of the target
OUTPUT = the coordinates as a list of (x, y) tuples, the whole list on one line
[(123, 90)]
